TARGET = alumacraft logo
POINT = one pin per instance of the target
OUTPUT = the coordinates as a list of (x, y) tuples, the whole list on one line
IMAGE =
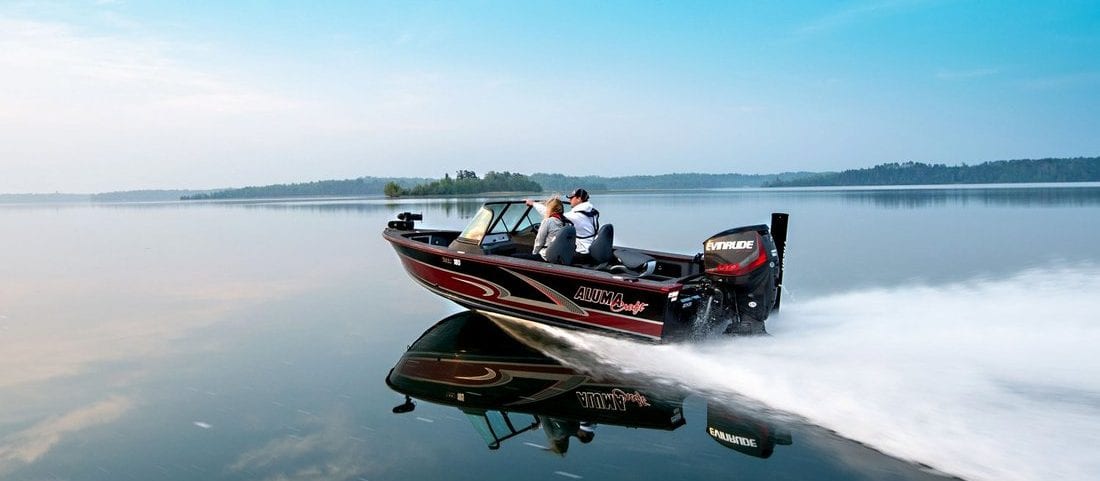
[(742, 245), (611, 401), (611, 299)]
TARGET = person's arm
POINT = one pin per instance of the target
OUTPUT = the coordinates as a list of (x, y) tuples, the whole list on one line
[(539, 207)]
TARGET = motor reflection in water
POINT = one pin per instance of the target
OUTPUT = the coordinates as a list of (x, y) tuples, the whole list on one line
[(506, 388)]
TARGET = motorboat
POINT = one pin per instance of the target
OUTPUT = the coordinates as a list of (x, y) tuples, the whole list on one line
[(506, 387), (731, 286)]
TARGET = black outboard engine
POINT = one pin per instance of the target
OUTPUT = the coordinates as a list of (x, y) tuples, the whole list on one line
[(745, 269), (744, 432)]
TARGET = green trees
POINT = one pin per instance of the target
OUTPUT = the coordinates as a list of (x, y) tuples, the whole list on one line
[(347, 187), (467, 182), (563, 183), (464, 182), (391, 189)]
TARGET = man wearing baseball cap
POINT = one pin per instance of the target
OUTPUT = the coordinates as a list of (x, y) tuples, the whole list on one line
[(584, 216)]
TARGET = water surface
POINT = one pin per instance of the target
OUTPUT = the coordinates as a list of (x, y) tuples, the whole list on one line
[(250, 340)]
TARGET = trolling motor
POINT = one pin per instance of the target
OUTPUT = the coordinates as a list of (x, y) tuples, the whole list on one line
[(405, 221), (743, 273)]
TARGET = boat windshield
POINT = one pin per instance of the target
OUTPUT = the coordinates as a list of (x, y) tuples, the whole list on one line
[(500, 218), (496, 427), (475, 230), (515, 217)]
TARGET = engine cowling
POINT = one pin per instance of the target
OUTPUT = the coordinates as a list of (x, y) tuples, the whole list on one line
[(737, 252), (744, 263)]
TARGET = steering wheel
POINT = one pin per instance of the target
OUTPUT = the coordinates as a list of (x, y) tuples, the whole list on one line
[(532, 229)]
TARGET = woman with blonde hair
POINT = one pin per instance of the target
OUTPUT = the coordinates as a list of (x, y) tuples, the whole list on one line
[(548, 230)]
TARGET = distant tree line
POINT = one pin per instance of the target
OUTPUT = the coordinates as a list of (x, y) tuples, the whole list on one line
[(349, 187), (563, 183), (467, 182), (43, 198), (146, 195), (106, 197), (1078, 169)]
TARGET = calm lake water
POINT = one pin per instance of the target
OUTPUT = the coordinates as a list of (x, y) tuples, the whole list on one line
[(922, 330)]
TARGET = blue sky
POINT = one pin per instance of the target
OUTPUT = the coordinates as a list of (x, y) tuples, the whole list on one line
[(111, 95)]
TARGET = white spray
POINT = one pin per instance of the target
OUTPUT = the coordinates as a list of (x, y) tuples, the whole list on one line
[(987, 380)]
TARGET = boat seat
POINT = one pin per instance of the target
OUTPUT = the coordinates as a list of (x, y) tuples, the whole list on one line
[(633, 263), (601, 251), (561, 249)]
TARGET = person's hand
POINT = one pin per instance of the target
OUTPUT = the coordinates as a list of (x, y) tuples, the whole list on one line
[(528, 202)]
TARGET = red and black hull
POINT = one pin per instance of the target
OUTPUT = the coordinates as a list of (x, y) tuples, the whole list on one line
[(562, 295), (468, 362)]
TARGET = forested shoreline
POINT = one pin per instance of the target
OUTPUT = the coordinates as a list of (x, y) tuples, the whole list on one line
[(361, 186), (564, 183), (465, 182), (1078, 169)]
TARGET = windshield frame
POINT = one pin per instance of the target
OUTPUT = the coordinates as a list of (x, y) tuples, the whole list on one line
[(478, 227)]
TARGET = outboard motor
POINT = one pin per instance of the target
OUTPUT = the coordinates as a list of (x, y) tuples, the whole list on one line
[(745, 268), (743, 432)]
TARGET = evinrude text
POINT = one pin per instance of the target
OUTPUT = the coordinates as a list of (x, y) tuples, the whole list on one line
[(741, 245)]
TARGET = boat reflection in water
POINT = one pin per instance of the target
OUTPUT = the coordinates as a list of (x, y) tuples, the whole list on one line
[(506, 388)]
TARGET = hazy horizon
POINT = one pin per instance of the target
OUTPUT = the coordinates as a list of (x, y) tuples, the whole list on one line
[(352, 178)]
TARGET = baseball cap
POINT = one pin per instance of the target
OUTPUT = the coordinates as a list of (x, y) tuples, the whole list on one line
[(583, 194)]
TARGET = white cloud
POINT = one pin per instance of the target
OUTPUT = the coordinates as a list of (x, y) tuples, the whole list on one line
[(331, 449), (28, 445), (54, 343), (90, 112), (48, 64)]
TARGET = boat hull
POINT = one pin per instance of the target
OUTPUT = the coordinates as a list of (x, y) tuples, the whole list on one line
[(561, 295), (467, 361)]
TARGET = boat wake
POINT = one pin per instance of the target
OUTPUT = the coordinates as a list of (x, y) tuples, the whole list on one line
[(993, 379)]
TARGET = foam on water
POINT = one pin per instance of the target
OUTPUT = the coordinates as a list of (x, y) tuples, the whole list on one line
[(986, 380)]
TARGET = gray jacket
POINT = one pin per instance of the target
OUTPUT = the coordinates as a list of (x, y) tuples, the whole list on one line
[(548, 231)]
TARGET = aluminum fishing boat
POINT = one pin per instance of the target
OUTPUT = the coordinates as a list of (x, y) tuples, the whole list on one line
[(730, 287)]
